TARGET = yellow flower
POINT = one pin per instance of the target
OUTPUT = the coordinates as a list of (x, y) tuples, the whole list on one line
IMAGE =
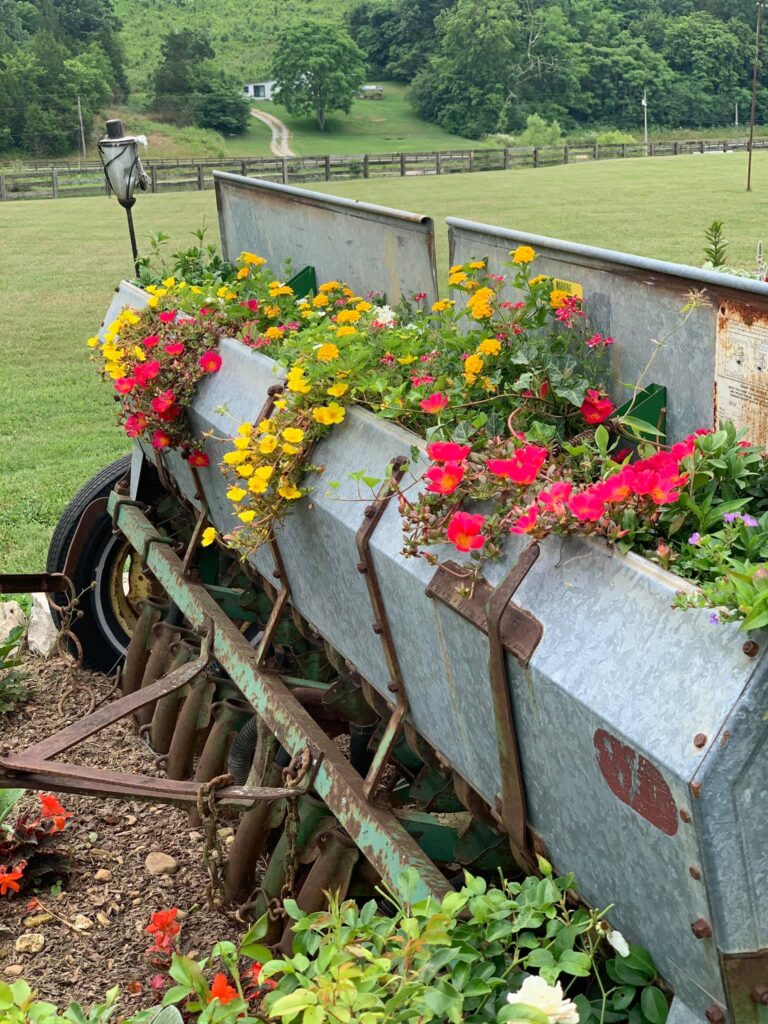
[(258, 485), (248, 516), (280, 403), (477, 264), (320, 300), (130, 318), (557, 298), (195, 289), (523, 254), (231, 295), (489, 347), (328, 352), (347, 316), (300, 385), (344, 332), (209, 536), (407, 360), (169, 282), (473, 365), (456, 268), (330, 286), (271, 311), (337, 390), (243, 272), (538, 279), (306, 314), (111, 353), (329, 414), (291, 449), (222, 292), (273, 332), (241, 442), (235, 458), (479, 304), (263, 472), (457, 277), (289, 491), (293, 435), (364, 307), (281, 289), (153, 302), (252, 259), (246, 429), (115, 370), (245, 470), (442, 305), (268, 427), (268, 444), (93, 342), (236, 493), (489, 385), (151, 288), (139, 353)]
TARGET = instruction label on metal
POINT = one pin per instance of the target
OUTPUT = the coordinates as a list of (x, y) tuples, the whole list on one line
[(741, 369)]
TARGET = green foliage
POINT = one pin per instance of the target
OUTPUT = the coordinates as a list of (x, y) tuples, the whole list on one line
[(317, 68), (614, 137), (13, 692), (538, 133), (716, 248), (18, 1005)]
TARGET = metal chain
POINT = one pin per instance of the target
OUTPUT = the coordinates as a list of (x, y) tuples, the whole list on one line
[(293, 775), (213, 855)]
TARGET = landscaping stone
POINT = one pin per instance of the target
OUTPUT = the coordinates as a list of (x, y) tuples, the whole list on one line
[(103, 875), (11, 616), (158, 863), (41, 638), (13, 971), (30, 942)]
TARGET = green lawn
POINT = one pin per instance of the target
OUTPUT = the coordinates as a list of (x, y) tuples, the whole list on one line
[(62, 258)]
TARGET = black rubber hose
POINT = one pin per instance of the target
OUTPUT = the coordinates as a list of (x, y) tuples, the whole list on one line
[(242, 750)]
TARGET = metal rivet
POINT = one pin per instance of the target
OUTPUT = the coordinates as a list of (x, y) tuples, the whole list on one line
[(377, 628), (701, 928), (750, 648), (700, 740), (760, 994), (685, 815), (370, 511), (715, 1014), (276, 573), (694, 873)]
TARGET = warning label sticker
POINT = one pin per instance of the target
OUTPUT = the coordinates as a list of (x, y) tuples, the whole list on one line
[(569, 287), (741, 370)]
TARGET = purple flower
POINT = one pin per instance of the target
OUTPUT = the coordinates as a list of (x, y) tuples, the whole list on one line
[(749, 520), (695, 539), (731, 517), (714, 619)]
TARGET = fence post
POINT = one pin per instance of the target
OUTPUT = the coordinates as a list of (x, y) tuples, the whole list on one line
[(284, 170), (506, 158), (242, 168), (535, 156), (725, 145), (438, 162), (200, 178), (623, 149), (153, 177), (565, 153), (402, 165), (366, 167), (3, 189), (54, 183), (596, 151)]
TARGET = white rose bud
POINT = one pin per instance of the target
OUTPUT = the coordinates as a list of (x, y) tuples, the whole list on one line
[(548, 999)]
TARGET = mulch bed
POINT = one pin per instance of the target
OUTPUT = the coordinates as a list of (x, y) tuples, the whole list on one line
[(108, 835)]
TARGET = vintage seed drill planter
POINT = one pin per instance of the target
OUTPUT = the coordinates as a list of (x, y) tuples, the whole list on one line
[(565, 709)]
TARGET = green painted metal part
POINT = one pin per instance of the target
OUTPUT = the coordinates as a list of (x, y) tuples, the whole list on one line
[(376, 831), (304, 282), (649, 406)]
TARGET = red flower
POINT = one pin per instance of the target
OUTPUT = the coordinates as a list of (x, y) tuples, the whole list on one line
[(448, 451), (526, 522), (164, 401), (210, 362), (135, 424), (222, 990), (174, 348), (599, 340), (170, 414), (418, 381), (596, 408), (556, 498), (661, 488), (164, 926), (434, 403), (523, 467), (587, 506), (9, 880), (168, 317), (151, 339), (198, 458), (145, 372), (617, 487), (419, 296), (51, 808), (160, 440), (256, 979), (444, 479), (125, 385), (464, 531)]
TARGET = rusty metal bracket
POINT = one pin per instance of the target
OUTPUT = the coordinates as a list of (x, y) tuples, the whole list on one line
[(381, 626), (513, 810), (34, 583), (122, 503), (746, 982)]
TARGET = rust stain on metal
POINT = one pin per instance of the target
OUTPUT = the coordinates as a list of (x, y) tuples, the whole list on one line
[(684, 815), (636, 782), (694, 873), (695, 788), (741, 368), (724, 738), (746, 985)]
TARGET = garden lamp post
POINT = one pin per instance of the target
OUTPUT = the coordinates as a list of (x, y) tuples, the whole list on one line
[(122, 168)]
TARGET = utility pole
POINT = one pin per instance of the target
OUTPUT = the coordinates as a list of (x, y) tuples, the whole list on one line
[(755, 72), (645, 118), (82, 129), (736, 122)]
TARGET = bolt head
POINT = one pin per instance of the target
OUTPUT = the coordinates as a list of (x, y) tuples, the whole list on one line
[(751, 648), (700, 740), (701, 928), (760, 994), (715, 1014)]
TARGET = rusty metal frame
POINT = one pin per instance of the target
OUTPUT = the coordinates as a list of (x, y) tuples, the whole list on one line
[(371, 518), (376, 831), (34, 583)]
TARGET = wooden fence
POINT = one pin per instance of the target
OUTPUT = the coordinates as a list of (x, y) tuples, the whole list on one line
[(66, 178)]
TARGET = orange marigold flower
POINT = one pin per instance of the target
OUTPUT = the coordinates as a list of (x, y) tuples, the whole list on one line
[(222, 990)]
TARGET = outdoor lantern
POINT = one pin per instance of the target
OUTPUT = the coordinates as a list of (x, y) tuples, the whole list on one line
[(122, 168)]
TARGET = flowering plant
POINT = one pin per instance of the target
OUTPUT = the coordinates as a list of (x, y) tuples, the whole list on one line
[(28, 849)]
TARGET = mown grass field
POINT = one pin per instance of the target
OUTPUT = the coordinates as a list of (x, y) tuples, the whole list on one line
[(62, 258)]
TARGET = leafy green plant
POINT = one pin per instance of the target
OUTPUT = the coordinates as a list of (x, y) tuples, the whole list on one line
[(13, 692), (716, 248)]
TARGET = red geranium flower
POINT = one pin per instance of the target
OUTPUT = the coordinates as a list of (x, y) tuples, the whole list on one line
[(464, 531), (252, 304), (523, 467), (160, 440), (135, 424), (164, 401), (617, 487), (174, 348), (198, 458), (587, 506), (170, 414), (145, 372), (434, 403), (418, 381), (51, 808), (164, 926), (222, 990), (596, 408), (210, 362), (444, 479), (168, 317), (9, 880), (124, 385), (526, 522), (151, 340), (556, 498), (448, 451)]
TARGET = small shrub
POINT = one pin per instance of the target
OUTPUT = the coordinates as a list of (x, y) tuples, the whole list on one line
[(538, 132), (613, 137), (13, 691)]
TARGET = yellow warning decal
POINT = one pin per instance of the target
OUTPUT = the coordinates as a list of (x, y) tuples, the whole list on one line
[(569, 287)]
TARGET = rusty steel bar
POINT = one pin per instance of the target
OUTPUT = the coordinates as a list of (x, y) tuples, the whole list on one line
[(378, 834), (33, 583)]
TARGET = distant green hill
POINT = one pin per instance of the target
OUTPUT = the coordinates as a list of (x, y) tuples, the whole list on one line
[(241, 34)]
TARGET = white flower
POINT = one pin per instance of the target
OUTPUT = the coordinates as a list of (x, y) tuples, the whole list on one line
[(619, 943), (547, 998), (384, 315)]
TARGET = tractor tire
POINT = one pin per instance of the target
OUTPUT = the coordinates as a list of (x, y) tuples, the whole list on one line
[(108, 583)]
